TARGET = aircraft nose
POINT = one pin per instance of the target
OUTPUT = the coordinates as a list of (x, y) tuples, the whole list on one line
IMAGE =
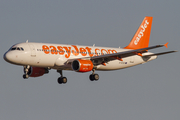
[(8, 57), (5, 58)]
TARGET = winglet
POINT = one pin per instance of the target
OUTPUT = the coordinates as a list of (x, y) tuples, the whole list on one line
[(166, 45)]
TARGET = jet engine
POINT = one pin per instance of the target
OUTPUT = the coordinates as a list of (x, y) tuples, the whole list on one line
[(82, 65)]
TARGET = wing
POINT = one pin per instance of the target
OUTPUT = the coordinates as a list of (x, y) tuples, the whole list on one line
[(102, 59), (120, 55)]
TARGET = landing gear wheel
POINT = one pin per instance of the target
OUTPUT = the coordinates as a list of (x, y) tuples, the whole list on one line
[(27, 71), (25, 76), (93, 77), (59, 80), (62, 80), (96, 77)]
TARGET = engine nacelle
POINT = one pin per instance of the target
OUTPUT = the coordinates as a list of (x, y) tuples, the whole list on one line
[(82, 65), (36, 71)]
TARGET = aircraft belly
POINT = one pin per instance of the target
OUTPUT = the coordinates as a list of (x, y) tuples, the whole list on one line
[(42, 61), (113, 65), (117, 64)]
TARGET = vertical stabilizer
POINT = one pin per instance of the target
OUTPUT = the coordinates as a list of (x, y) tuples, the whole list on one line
[(142, 35)]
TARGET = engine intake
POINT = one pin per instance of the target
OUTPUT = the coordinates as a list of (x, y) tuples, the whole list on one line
[(82, 65)]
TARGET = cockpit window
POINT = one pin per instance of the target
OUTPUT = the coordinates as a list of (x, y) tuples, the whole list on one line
[(13, 48), (17, 48), (22, 49)]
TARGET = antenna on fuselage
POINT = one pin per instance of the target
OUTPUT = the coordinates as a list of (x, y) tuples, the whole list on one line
[(93, 45), (26, 41)]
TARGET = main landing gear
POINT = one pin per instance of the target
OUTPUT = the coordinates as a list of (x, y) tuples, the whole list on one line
[(61, 80), (26, 71), (94, 76)]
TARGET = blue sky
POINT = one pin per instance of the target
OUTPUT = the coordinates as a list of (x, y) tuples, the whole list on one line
[(148, 91)]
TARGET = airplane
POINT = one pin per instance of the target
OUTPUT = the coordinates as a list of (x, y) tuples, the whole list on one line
[(38, 58)]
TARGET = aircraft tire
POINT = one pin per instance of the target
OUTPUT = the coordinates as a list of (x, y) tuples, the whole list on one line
[(91, 77), (25, 76), (64, 80), (61, 80), (96, 77)]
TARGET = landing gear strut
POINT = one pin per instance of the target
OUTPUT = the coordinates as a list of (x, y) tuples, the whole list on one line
[(94, 76), (61, 80), (26, 71)]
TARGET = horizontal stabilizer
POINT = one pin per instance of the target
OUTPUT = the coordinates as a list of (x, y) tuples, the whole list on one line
[(159, 53)]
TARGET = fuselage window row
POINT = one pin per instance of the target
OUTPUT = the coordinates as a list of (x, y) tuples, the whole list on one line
[(69, 51)]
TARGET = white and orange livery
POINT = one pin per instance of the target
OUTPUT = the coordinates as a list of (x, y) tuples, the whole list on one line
[(39, 58)]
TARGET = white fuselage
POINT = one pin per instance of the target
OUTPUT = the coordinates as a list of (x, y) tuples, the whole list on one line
[(55, 56)]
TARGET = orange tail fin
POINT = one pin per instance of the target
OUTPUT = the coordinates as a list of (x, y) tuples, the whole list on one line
[(142, 35)]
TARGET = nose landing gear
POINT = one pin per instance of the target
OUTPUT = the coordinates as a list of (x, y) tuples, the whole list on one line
[(26, 72)]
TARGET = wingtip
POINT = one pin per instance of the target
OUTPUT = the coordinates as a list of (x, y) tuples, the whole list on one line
[(166, 45)]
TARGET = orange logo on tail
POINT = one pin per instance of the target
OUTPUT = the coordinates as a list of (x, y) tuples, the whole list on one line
[(141, 33)]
